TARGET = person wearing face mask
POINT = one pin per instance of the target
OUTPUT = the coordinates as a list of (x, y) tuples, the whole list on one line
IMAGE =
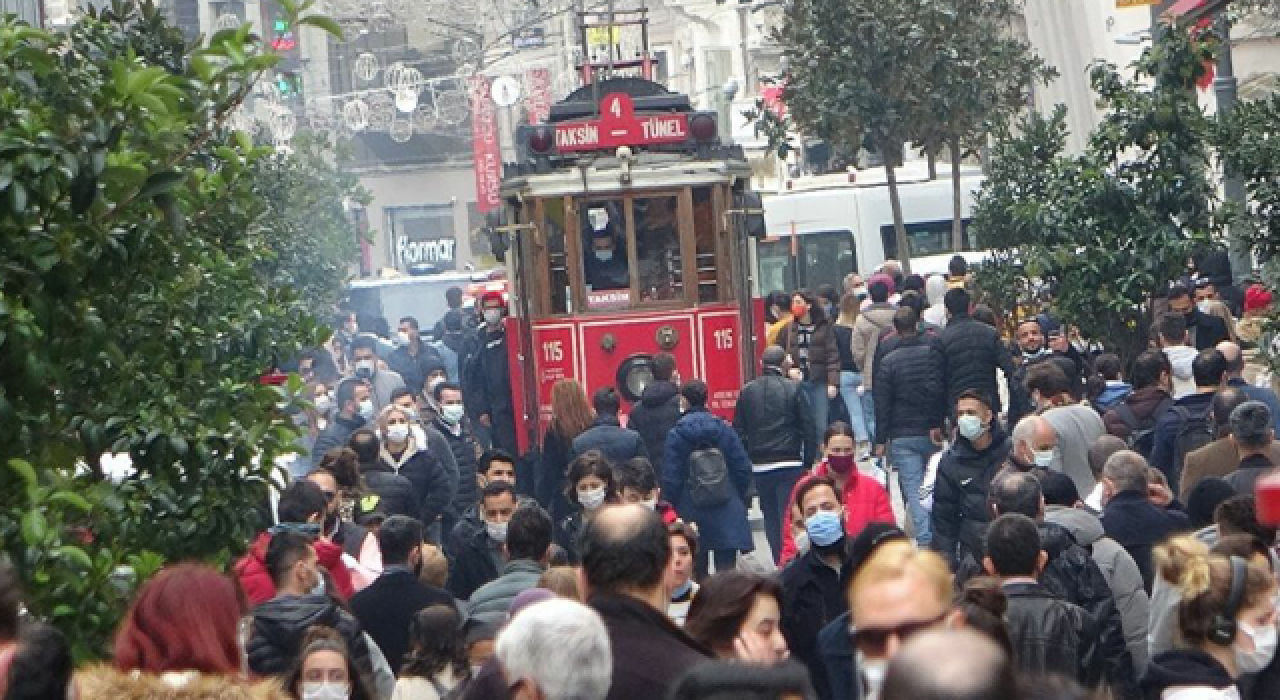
[(865, 499), (528, 546), (413, 359), (1205, 330), (960, 514), (280, 623), (398, 593), (1034, 444), (388, 492), (359, 547), (487, 378), (713, 498), (679, 574), (432, 472), (351, 399), (813, 594), (1076, 425), (606, 266), (1226, 621), (476, 551), (810, 341), (452, 423), (364, 356), (591, 486), (325, 670)]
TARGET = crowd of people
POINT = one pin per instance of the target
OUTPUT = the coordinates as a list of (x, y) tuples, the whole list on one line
[(1072, 527)]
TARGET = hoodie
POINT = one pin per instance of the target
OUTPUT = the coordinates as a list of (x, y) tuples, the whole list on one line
[(1181, 356), (1120, 571), (1195, 675), (935, 288)]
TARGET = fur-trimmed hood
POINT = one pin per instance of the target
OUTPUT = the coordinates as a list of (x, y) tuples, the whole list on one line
[(103, 682)]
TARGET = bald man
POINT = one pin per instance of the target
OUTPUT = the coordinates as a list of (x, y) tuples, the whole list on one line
[(1034, 444), (1235, 378), (950, 664)]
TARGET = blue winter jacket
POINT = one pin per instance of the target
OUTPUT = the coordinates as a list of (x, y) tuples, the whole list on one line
[(725, 526)]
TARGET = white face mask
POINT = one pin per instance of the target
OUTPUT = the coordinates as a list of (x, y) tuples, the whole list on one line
[(873, 672), (323, 404), (365, 367), (366, 409), (497, 531), (591, 499), (1042, 458), (1264, 648), (325, 691), (398, 432), (971, 427), (452, 413), (1204, 306), (492, 316), (402, 338), (604, 255)]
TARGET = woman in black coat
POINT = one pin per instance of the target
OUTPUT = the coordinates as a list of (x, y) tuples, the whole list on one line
[(571, 416)]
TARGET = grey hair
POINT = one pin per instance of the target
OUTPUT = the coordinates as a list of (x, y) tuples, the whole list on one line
[(1127, 470), (562, 647), (1251, 425), (1025, 430)]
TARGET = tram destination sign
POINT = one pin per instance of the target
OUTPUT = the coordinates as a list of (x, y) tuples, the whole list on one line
[(618, 125)]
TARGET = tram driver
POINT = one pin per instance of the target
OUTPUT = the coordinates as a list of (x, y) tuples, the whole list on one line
[(606, 267)]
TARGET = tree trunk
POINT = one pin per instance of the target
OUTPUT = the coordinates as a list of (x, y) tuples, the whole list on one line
[(957, 227), (899, 227), (931, 157)]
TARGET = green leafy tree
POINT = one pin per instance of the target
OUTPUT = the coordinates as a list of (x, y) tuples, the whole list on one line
[(1104, 230), (146, 281)]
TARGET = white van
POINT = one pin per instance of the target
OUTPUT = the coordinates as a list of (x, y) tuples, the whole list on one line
[(824, 227)]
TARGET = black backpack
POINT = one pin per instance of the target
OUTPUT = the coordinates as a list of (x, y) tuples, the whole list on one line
[(708, 478), (1194, 432), (1142, 434)]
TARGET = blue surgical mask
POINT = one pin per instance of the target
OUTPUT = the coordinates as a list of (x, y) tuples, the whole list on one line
[(971, 427), (825, 528), (604, 255)]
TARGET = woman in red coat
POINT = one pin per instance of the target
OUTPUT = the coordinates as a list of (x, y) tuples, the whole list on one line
[(865, 499)]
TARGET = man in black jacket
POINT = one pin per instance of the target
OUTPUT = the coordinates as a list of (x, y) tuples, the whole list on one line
[(658, 409), (1049, 634), (475, 550), (1128, 515), (1206, 330), (960, 513), (606, 434), (280, 623), (974, 352), (488, 376), (413, 359), (453, 424), (1070, 573), (386, 606), (911, 400), (773, 420), (351, 394), (625, 552), (394, 493)]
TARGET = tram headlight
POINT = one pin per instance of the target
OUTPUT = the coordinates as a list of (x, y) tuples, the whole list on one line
[(541, 141), (703, 126), (634, 374)]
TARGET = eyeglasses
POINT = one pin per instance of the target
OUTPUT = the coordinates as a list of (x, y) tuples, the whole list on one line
[(874, 642)]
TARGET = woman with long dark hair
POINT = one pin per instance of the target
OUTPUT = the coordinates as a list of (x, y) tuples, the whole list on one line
[(437, 659), (811, 343), (590, 488), (571, 415), (738, 615), (325, 670)]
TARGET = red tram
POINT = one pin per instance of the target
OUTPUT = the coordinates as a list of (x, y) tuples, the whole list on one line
[(627, 221)]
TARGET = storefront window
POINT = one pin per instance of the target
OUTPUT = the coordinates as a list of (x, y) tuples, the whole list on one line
[(658, 257)]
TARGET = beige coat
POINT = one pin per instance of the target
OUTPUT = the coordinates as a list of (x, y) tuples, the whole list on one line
[(101, 682)]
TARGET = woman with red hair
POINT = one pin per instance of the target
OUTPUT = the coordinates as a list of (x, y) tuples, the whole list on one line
[(180, 639)]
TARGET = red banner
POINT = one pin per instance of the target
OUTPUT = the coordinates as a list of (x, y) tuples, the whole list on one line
[(485, 147), (538, 103)]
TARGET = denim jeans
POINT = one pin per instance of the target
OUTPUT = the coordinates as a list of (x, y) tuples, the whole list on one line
[(819, 407), (862, 418), (910, 455), (774, 488)]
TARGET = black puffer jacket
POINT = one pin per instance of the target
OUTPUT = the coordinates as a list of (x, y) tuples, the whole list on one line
[(974, 351), (773, 419), (654, 416), (960, 512), (395, 493), (1051, 635), (463, 447), (1184, 668), (434, 483), (280, 624), (911, 389)]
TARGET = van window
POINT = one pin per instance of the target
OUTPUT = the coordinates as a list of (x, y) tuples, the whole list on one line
[(925, 238), (820, 258)]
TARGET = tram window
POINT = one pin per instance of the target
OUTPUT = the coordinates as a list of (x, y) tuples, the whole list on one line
[(925, 238), (658, 261), (604, 244), (704, 229), (558, 280)]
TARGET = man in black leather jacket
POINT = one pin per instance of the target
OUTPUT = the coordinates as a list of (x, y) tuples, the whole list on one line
[(773, 420), (1049, 634), (280, 624)]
